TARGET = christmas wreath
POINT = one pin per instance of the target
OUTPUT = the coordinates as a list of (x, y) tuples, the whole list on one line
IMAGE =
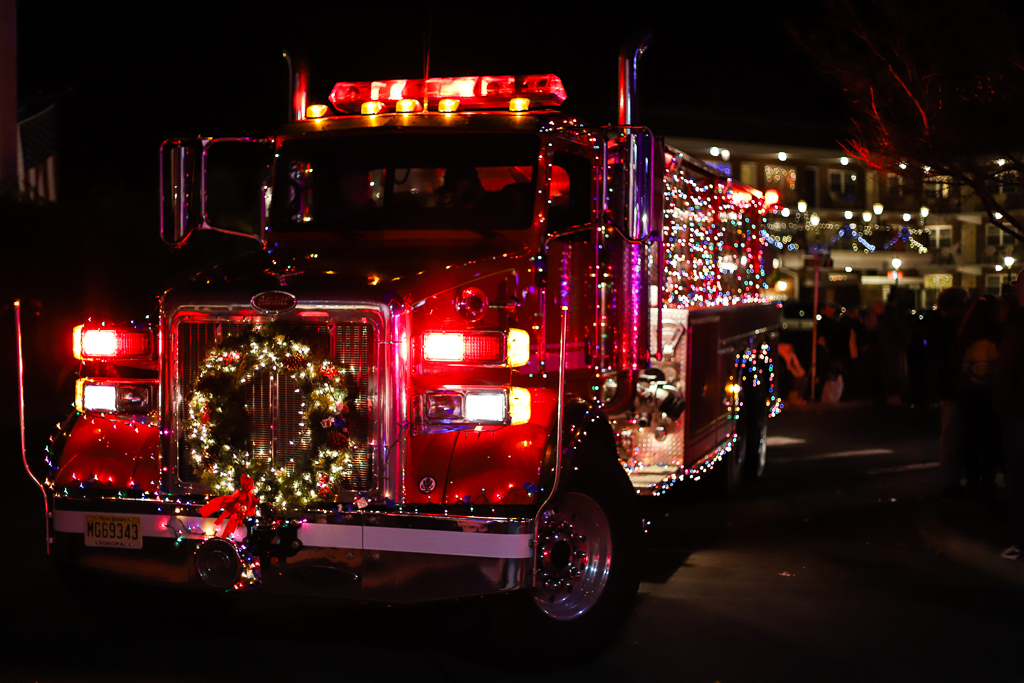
[(215, 429)]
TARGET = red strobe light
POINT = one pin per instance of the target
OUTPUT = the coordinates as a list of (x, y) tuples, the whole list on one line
[(110, 343), (486, 348)]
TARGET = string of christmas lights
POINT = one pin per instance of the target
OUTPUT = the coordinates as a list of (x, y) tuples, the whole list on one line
[(714, 249), (783, 232)]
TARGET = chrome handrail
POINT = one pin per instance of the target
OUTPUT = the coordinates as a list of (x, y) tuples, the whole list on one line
[(21, 417), (558, 433)]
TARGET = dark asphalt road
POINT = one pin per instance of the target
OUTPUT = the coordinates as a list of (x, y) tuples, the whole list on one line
[(817, 573)]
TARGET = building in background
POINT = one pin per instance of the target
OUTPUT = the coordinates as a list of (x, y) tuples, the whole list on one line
[(37, 153), (864, 219)]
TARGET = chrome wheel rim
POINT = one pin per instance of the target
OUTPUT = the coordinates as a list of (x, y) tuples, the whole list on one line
[(762, 450), (574, 553)]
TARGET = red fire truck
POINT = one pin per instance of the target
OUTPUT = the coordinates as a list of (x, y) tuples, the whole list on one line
[(477, 329)]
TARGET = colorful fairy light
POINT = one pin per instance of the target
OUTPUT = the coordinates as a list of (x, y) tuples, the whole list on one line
[(715, 241)]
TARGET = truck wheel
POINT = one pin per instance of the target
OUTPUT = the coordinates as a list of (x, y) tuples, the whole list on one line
[(728, 474), (756, 446), (588, 548)]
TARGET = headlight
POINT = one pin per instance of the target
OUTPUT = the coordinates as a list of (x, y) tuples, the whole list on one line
[(115, 396), (471, 406)]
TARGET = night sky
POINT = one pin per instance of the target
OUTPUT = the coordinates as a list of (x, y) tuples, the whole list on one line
[(128, 75)]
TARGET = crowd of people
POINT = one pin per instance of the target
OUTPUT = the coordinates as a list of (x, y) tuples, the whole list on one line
[(967, 355), (860, 354), (981, 399)]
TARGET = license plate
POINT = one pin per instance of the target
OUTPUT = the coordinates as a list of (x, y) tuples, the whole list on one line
[(113, 532)]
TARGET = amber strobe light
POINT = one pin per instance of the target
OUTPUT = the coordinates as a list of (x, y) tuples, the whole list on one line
[(518, 348), (407, 106), (448, 105), (316, 111), (519, 405), (371, 108)]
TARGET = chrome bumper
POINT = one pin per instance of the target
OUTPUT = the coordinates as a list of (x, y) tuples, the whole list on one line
[(366, 556)]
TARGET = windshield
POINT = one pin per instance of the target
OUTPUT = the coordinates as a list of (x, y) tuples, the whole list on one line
[(397, 180)]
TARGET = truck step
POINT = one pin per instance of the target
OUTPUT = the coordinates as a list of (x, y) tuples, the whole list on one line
[(651, 480)]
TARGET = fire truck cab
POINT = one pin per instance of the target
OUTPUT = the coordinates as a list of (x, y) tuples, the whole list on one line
[(477, 329)]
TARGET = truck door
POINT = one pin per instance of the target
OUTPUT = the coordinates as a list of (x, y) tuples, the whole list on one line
[(571, 262), (628, 244)]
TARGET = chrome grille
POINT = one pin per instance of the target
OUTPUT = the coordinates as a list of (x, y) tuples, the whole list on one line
[(259, 397), (275, 403), (354, 350), (294, 436)]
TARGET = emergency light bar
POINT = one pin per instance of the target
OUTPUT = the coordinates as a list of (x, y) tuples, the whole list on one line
[(471, 92)]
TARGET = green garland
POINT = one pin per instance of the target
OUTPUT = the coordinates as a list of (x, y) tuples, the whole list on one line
[(215, 429)]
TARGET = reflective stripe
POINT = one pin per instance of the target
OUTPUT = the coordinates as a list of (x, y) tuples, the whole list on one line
[(429, 541), (467, 544), (331, 535), (153, 526)]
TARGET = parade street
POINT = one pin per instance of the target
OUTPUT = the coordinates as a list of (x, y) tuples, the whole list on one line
[(842, 564)]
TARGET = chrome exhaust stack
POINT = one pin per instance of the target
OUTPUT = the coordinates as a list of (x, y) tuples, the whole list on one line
[(629, 57), (298, 84)]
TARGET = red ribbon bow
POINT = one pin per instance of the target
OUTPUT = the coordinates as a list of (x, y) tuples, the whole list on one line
[(236, 507)]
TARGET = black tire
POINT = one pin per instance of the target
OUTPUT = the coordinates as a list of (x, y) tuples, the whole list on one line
[(589, 546), (756, 443), (727, 474)]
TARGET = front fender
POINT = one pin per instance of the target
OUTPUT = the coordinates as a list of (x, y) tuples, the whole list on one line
[(588, 441)]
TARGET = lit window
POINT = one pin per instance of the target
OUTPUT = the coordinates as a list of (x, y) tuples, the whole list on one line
[(994, 284), (941, 235), (996, 237)]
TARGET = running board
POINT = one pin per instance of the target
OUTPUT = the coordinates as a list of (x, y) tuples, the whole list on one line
[(654, 480)]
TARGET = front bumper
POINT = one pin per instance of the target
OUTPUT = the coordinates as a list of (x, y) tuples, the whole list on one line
[(365, 556)]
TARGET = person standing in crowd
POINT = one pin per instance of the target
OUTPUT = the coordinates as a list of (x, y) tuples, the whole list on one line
[(834, 338), (952, 305), (976, 352), (850, 337), (869, 354), (794, 375), (1008, 401), (893, 338), (826, 347)]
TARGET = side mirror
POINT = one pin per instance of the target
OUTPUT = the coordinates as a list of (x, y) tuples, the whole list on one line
[(213, 185), (631, 158), (235, 172), (180, 174)]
